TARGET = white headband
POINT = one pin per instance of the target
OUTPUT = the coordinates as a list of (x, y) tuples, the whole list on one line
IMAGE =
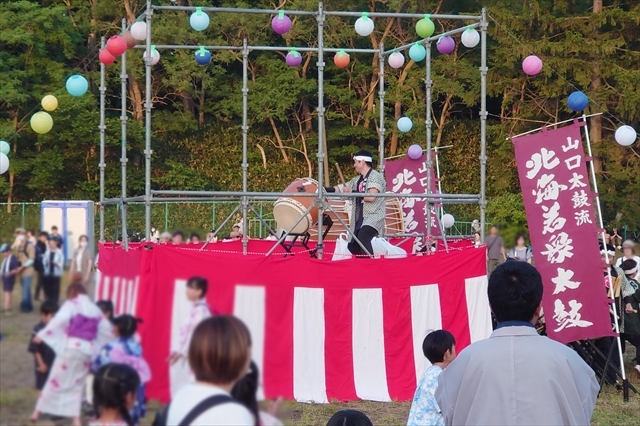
[(363, 158), (610, 253), (631, 271)]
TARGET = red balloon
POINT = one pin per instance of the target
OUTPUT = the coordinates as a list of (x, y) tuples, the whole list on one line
[(117, 45), (106, 57), (341, 59)]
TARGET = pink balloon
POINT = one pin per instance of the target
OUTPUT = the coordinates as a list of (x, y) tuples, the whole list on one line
[(116, 45), (532, 65), (281, 25)]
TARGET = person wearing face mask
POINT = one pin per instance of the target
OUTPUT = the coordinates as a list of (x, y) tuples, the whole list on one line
[(26, 254), (82, 262)]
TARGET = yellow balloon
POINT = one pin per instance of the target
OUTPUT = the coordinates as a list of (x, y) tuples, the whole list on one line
[(41, 122), (49, 103)]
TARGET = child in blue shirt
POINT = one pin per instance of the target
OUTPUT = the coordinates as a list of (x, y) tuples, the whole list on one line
[(439, 347)]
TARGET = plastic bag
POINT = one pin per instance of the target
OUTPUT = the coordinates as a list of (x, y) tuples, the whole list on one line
[(342, 250), (382, 247)]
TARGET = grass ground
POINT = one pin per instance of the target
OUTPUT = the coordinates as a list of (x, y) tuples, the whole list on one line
[(18, 396)]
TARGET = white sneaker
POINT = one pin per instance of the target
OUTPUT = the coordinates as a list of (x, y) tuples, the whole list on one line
[(638, 370)]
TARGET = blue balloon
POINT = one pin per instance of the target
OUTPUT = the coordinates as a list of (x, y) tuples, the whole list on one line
[(77, 85), (417, 52), (199, 20), (577, 101), (203, 57), (404, 124)]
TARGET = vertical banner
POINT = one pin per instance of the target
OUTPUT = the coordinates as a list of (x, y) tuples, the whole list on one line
[(558, 202), (408, 176)]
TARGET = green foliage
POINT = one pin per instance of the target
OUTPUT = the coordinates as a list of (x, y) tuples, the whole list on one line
[(197, 110)]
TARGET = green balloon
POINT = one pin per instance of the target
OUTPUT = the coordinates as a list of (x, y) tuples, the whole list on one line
[(4, 148), (425, 27)]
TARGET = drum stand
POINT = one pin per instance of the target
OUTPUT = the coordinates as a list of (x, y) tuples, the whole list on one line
[(288, 245)]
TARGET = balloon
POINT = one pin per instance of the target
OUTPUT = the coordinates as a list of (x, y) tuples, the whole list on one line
[(532, 65), (155, 56), (425, 27), (49, 103), (447, 220), (77, 85), (203, 56), (446, 45), (470, 38), (417, 52), (341, 59), (116, 45), (106, 57), (293, 58), (281, 23), (404, 124), (415, 152), (4, 163), (577, 101), (5, 147), (199, 20), (364, 25), (396, 60), (131, 42), (139, 30), (626, 135), (41, 122)]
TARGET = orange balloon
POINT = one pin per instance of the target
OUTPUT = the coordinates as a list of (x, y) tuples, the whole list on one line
[(341, 59)]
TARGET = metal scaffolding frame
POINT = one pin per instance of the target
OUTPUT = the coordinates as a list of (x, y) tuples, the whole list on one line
[(244, 196)]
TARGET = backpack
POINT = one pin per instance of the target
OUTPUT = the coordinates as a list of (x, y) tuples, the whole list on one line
[(204, 405)]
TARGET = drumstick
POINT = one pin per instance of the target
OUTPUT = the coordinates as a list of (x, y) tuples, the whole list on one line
[(340, 173)]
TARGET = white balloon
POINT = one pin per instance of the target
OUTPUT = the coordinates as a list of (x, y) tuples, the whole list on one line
[(4, 163), (447, 220), (626, 135), (470, 38), (364, 26), (155, 56), (139, 30), (396, 60)]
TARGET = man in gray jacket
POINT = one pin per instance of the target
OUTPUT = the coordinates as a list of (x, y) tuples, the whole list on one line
[(517, 377)]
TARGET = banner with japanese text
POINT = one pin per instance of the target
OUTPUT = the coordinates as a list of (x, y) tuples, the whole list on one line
[(408, 176), (559, 205)]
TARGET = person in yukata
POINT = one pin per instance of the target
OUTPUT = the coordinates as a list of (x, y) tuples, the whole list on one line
[(196, 294), (516, 376), (115, 389), (76, 333), (42, 353), (439, 347), (126, 350)]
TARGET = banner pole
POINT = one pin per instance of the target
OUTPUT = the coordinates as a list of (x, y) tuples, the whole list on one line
[(604, 243)]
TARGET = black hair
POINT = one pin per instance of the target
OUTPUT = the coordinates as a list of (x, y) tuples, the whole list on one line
[(44, 234), (178, 232), (349, 418), (199, 283), (194, 235), (436, 343), (628, 264), (126, 325), (111, 385), (518, 237), (515, 291), (49, 307), (245, 389), (106, 306), (365, 153), (54, 227)]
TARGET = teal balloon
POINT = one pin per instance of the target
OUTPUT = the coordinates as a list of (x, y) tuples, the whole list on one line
[(4, 148), (77, 85), (417, 52), (404, 124)]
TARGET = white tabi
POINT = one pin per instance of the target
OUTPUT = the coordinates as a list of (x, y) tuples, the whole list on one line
[(62, 394), (517, 377)]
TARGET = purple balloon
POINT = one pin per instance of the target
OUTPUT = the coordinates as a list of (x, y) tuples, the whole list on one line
[(414, 152), (281, 25), (446, 45), (293, 59)]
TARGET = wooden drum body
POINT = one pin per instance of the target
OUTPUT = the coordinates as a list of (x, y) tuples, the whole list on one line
[(287, 210), (393, 223)]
